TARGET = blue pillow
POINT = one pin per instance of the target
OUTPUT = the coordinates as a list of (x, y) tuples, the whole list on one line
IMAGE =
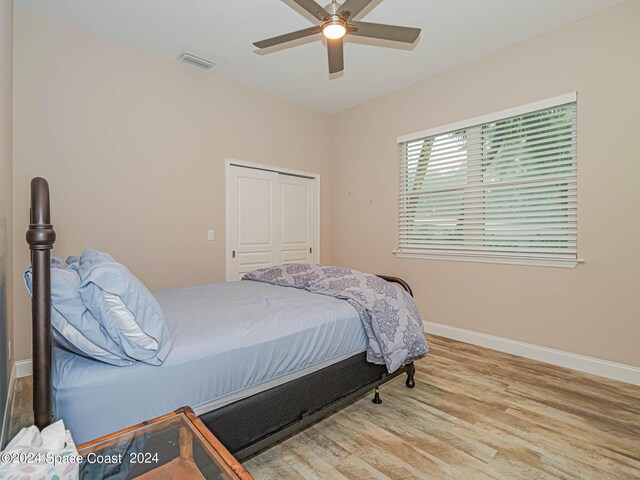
[(74, 328), (126, 308), (57, 262), (73, 262)]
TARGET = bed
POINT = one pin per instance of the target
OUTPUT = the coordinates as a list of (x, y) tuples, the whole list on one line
[(255, 361)]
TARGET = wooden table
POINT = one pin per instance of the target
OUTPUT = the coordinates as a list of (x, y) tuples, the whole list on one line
[(174, 446)]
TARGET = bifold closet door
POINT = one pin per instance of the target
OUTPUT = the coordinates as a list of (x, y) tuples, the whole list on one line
[(271, 219), (253, 220)]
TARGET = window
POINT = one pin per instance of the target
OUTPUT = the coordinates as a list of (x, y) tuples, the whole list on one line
[(501, 188)]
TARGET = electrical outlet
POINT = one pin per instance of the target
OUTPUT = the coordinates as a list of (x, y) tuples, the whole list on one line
[(211, 235)]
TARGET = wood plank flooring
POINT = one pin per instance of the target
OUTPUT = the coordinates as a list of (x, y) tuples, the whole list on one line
[(22, 408), (474, 414)]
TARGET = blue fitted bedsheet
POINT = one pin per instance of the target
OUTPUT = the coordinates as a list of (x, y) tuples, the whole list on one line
[(231, 340)]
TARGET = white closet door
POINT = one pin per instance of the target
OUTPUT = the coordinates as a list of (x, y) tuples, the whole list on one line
[(254, 220), (297, 214)]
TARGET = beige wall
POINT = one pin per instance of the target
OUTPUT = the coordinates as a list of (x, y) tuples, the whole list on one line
[(592, 310), (133, 146), (6, 300)]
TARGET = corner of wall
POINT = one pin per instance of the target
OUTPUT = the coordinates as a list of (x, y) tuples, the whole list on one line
[(6, 204)]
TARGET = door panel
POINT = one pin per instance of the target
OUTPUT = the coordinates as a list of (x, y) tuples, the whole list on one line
[(297, 207), (295, 256), (254, 220)]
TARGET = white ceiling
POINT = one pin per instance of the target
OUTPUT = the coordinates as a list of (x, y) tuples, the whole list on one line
[(453, 32)]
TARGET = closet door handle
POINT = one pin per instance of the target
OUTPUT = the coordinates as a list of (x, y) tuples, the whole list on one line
[(233, 254)]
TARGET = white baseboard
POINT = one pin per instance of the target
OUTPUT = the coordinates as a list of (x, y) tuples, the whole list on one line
[(24, 368), (582, 363), (8, 408)]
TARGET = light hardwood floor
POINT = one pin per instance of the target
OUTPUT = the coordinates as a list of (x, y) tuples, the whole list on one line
[(474, 414)]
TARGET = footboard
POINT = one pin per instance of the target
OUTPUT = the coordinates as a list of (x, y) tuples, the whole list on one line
[(399, 281)]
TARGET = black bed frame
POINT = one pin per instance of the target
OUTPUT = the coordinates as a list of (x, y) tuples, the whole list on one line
[(245, 426)]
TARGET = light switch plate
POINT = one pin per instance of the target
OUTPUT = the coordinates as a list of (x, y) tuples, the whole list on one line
[(211, 235)]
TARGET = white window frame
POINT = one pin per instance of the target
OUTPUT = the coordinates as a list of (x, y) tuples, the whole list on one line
[(483, 257)]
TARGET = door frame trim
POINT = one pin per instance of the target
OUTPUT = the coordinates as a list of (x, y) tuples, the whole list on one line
[(228, 162)]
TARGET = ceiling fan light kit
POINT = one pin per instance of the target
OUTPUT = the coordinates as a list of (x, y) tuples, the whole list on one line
[(334, 29), (337, 22)]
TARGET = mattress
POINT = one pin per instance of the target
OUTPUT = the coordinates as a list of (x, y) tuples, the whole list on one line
[(231, 340)]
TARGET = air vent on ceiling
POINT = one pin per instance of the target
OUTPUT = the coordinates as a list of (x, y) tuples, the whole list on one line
[(195, 61)]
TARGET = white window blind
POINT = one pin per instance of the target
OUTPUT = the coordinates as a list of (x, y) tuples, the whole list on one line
[(501, 190)]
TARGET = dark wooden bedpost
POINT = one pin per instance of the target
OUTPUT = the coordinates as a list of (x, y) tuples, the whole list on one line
[(41, 238)]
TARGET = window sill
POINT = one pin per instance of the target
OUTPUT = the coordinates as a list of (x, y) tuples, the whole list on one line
[(487, 258)]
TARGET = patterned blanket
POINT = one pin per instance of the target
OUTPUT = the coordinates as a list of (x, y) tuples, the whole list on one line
[(389, 314)]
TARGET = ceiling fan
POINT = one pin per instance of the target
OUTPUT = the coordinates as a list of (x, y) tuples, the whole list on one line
[(336, 22)]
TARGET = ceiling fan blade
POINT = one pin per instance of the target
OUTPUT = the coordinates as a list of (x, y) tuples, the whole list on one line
[(336, 55), (313, 8), (354, 7), (287, 37), (386, 32)]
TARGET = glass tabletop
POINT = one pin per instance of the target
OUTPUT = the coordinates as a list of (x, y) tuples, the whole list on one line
[(170, 447)]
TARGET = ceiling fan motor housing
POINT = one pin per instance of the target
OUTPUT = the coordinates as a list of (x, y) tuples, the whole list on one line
[(332, 8)]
